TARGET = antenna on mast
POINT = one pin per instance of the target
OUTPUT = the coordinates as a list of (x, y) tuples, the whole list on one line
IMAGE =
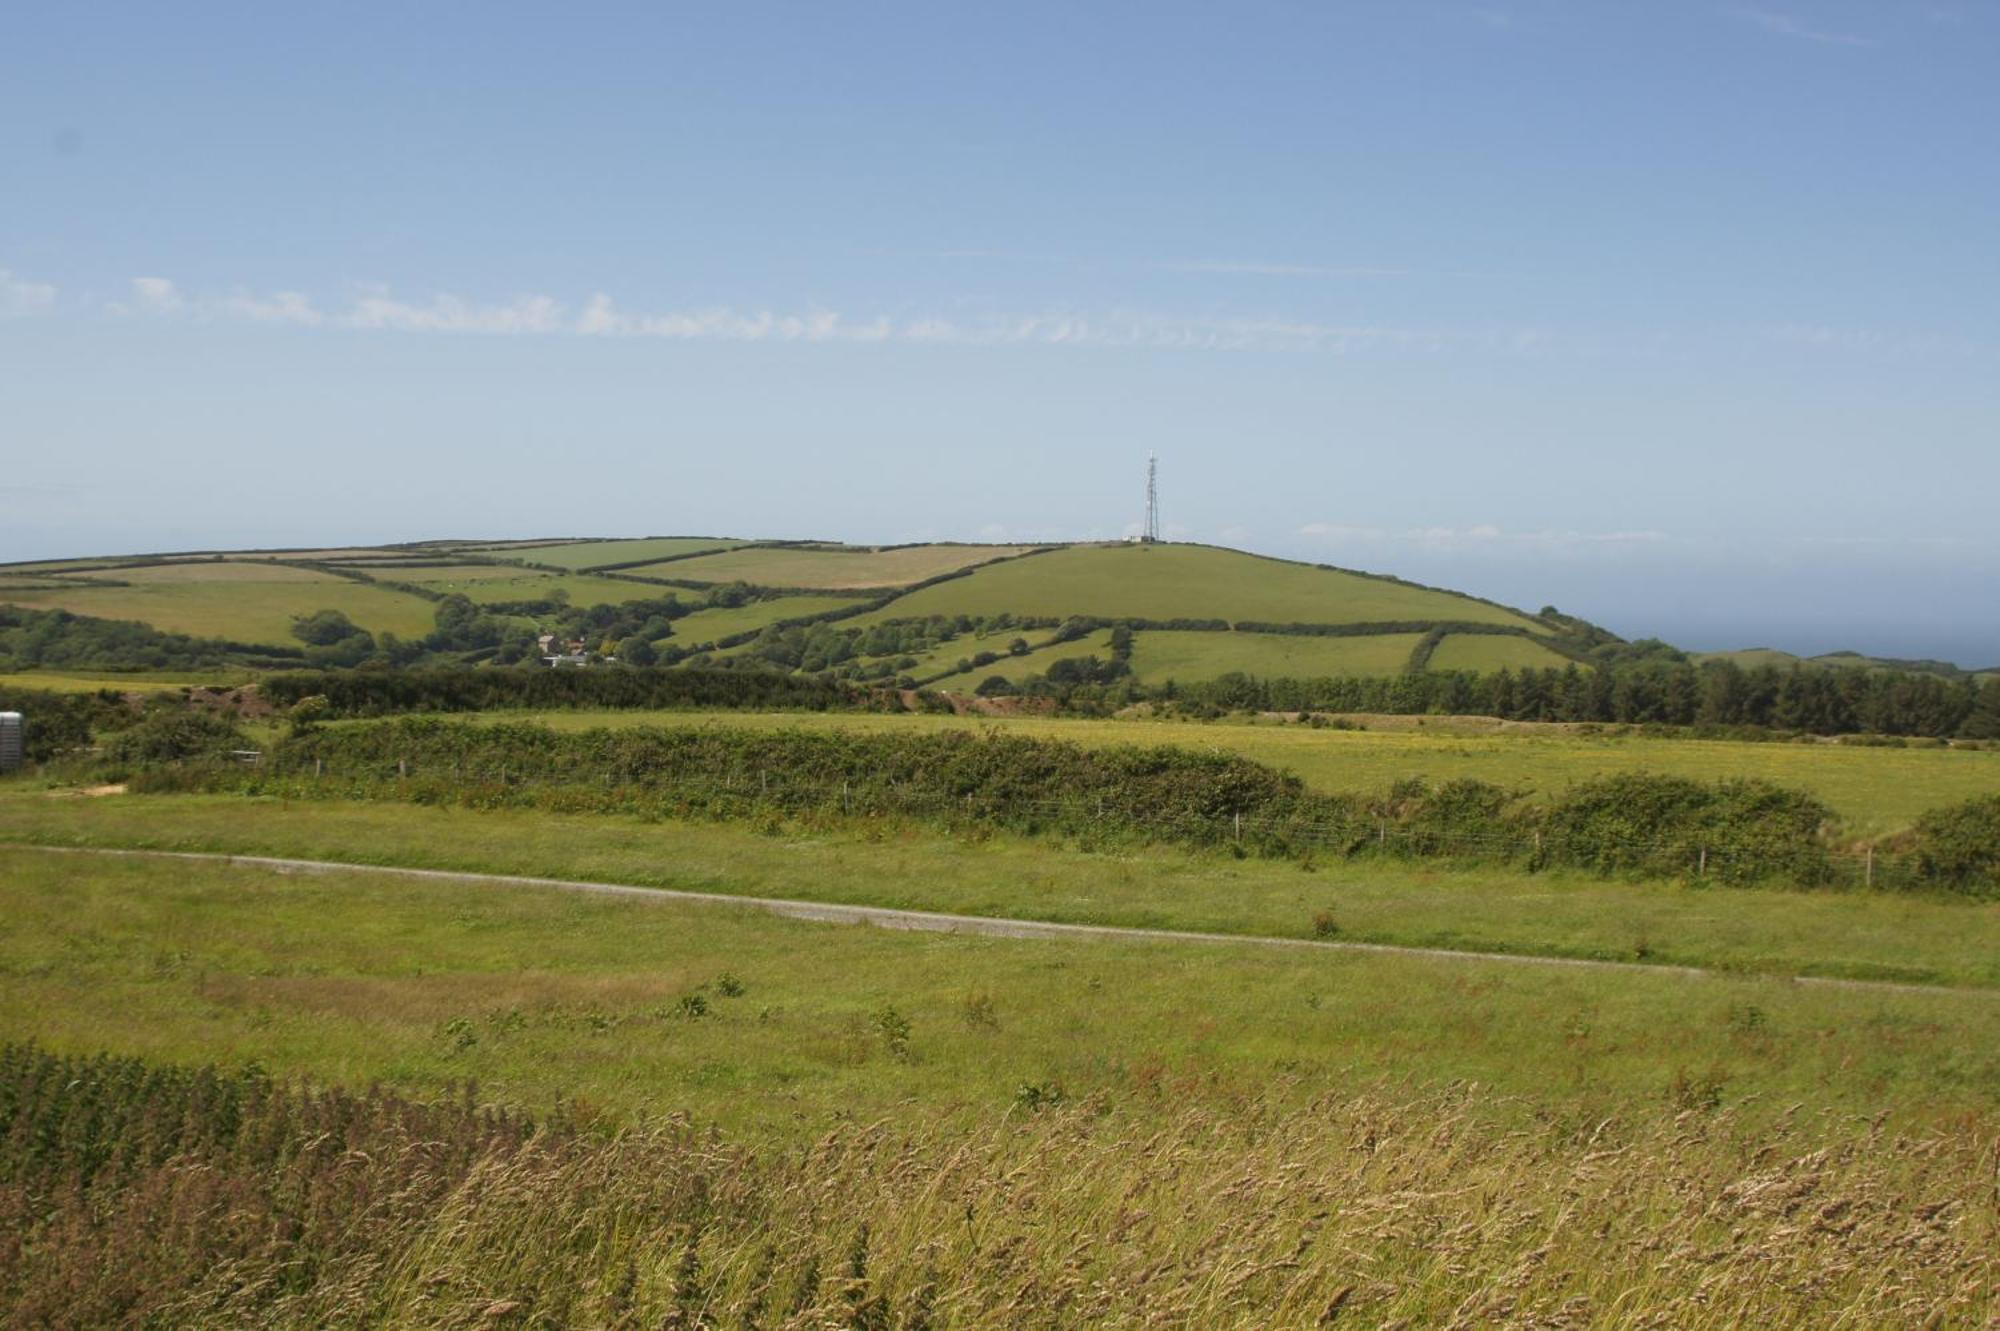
[(1152, 535)]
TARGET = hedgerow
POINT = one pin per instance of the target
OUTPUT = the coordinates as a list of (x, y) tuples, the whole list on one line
[(1656, 826)]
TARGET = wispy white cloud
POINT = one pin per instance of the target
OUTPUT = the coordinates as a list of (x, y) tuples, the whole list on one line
[(1790, 25), (20, 298), (378, 309), (280, 307), (155, 295), (149, 297)]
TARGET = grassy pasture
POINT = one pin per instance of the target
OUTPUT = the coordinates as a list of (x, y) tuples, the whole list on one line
[(833, 568), (1187, 582), (1160, 655), (240, 602), (596, 554), (1856, 935), (1483, 654), (355, 978), (722, 622), (1875, 790)]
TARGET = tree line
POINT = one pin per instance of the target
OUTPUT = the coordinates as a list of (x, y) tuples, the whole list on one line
[(1806, 699)]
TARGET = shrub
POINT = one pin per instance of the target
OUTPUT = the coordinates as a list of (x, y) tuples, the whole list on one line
[(174, 735), (1731, 831), (1959, 846)]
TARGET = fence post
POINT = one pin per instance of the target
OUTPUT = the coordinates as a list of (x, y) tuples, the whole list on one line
[(318, 766), (1239, 824), (1381, 831), (1701, 869), (403, 768), (1870, 870)]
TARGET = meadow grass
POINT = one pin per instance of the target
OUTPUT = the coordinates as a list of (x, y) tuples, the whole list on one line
[(223, 601), (849, 569), (1157, 1208), (1875, 791), (596, 554), (543, 996), (1188, 582), (1914, 938), (1159, 655), (1485, 653)]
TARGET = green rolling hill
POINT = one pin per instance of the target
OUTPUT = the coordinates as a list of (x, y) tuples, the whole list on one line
[(944, 614)]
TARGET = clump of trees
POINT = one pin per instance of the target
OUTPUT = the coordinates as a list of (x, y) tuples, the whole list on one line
[(1638, 687)]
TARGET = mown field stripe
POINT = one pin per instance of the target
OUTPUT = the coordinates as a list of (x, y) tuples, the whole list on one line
[(924, 921)]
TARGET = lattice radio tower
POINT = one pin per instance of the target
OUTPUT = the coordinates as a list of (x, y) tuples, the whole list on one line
[(1152, 535)]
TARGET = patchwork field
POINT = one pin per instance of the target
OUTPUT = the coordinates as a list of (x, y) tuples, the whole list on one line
[(1189, 582), (843, 568), (597, 554)]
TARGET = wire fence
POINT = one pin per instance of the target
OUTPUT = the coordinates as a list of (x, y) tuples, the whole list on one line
[(748, 792)]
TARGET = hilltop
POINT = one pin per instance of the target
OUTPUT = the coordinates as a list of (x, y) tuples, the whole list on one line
[(944, 614)]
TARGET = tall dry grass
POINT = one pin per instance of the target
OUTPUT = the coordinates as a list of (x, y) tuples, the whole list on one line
[(133, 1195)]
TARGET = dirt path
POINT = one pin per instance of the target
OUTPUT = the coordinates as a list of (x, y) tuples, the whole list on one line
[(884, 917)]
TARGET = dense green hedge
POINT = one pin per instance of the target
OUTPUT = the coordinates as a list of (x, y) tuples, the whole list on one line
[(387, 693), (1731, 832)]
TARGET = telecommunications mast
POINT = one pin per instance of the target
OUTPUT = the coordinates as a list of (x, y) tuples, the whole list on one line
[(1152, 536)]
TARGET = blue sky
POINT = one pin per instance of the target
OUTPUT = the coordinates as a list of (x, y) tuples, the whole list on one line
[(1682, 317)]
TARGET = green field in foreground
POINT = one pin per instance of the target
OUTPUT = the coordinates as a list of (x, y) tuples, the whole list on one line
[(1188, 582), (1875, 791), (1851, 934), (540, 996)]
